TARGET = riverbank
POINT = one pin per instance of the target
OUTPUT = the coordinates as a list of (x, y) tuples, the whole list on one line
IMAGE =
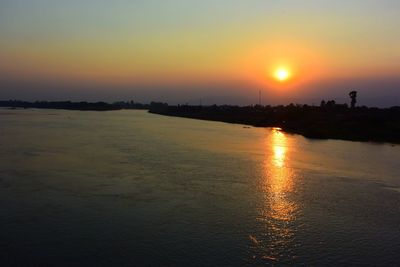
[(68, 105), (322, 122)]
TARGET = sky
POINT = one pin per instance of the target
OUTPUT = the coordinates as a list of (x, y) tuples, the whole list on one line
[(213, 51)]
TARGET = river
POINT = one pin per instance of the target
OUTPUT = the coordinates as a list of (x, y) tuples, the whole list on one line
[(130, 188)]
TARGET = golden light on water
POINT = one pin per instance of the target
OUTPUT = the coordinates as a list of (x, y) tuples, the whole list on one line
[(280, 178), (279, 210), (279, 148), (279, 156)]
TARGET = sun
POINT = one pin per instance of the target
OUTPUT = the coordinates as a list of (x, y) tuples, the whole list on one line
[(281, 74)]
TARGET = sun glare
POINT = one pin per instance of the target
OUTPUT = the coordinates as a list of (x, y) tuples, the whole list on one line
[(281, 74)]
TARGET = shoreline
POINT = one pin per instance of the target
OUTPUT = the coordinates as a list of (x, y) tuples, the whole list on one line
[(338, 123), (69, 105), (335, 121)]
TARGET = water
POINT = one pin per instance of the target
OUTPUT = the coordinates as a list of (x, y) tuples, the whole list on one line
[(135, 189)]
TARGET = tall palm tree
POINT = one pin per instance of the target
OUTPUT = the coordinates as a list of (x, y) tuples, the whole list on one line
[(353, 96)]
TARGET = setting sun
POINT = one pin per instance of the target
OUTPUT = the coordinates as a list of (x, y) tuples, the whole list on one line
[(282, 74)]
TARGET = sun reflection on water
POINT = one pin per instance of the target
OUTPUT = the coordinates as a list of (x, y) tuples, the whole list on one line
[(278, 210), (279, 148), (279, 179)]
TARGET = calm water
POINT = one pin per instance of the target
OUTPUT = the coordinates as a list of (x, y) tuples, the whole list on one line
[(132, 188)]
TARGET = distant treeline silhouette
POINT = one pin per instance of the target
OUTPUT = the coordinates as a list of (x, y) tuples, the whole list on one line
[(95, 106), (329, 120)]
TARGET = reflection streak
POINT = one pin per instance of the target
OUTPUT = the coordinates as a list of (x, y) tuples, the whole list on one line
[(279, 210), (279, 179)]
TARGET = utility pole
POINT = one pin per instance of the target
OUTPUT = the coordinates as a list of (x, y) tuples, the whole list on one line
[(259, 98)]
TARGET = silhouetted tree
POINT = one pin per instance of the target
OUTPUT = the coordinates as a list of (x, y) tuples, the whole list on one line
[(330, 104), (353, 96)]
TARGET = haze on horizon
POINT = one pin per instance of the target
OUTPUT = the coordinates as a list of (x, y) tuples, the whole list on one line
[(183, 51)]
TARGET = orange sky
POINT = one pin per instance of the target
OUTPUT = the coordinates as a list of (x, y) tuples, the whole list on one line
[(186, 43)]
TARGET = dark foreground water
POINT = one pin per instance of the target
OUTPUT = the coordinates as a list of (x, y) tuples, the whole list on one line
[(130, 188)]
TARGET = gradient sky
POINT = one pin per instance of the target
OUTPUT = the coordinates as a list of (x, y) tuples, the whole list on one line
[(182, 50)]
